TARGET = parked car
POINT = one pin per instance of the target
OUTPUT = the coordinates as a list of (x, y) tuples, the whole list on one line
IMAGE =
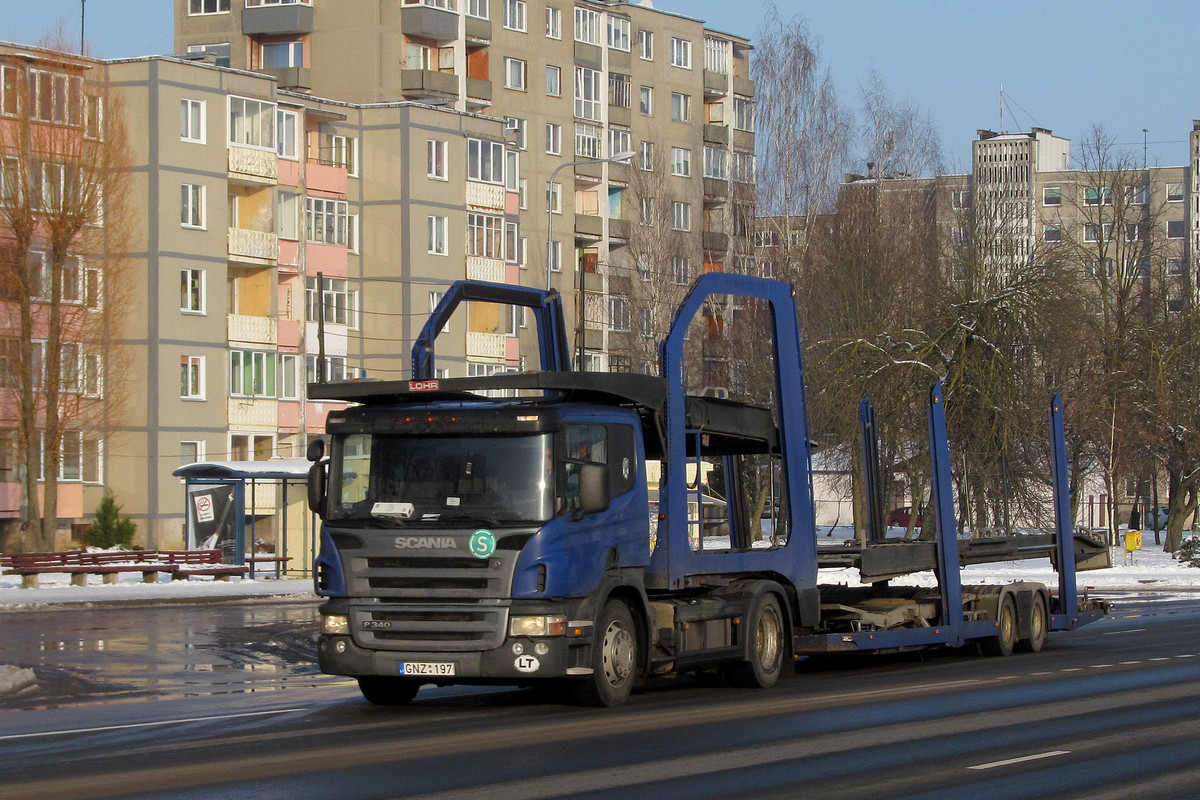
[(1155, 514), (899, 517)]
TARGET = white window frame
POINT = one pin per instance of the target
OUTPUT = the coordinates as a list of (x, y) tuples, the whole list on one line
[(681, 216), (619, 140), (1052, 232), (339, 300), (485, 161), (554, 198), (436, 158), (681, 52), (477, 9), (193, 119), (515, 16), (646, 45), (553, 23), (646, 156), (1052, 195), (646, 101), (554, 255), (192, 381), (743, 114), (619, 317), (1174, 192), (681, 107), (716, 162), (201, 8), (261, 365), (287, 216), (587, 26), (681, 270), (587, 93), (553, 139), (1182, 229), (618, 32), (553, 81), (192, 290), (681, 162), (515, 70), (287, 134), (327, 221), (436, 227), (485, 235), (247, 116), (192, 206), (291, 50)]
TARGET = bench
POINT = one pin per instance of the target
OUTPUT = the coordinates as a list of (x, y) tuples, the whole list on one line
[(278, 562), (79, 564)]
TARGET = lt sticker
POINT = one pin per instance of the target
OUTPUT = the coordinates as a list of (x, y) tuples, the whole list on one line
[(482, 543), (527, 664)]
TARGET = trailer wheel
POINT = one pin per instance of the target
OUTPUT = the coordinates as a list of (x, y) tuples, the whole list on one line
[(765, 645), (1006, 630), (384, 691), (614, 658), (1039, 626)]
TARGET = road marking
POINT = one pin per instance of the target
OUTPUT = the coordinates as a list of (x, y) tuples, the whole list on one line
[(1128, 630), (1072, 669), (1186, 655), (148, 724), (1101, 666), (1161, 658), (1127, 663), (1034, 757)]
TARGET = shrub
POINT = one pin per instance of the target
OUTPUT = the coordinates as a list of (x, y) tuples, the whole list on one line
[(1189, 552), (110, 529)]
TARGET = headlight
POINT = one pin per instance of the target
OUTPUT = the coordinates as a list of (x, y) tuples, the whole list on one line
[(335, 624), (537, 626)]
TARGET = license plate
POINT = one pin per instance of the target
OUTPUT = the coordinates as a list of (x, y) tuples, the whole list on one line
[(426, 667)]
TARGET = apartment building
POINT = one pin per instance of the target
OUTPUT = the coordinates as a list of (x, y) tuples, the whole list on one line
[(621, 120)]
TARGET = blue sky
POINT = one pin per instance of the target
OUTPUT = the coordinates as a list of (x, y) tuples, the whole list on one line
[(1064, 65)]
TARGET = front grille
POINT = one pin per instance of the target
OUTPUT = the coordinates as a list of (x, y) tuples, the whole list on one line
[(429, 628)]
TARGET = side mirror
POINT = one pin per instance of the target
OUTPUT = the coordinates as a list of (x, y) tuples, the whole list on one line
[(318, 485), (593, 489), (316, 450)]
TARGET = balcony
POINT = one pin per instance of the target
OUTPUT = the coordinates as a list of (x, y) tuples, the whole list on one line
[(326, 178), (485, 269), (479, 31), (619, 115), (588, 226), (485, 195), (715, 241), (253, 247), (479, 89), (428, 83), (716, 84), (253, 414), (429, 23), (291, 77), (743, 86), (715, 191), (618, 229), (254, 331), (486, 346), (279, 19), (716, 134), (252, 165)]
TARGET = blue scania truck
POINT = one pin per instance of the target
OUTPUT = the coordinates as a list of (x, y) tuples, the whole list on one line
[(596, 529)]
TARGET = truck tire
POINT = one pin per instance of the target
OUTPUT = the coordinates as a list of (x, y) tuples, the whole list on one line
[(1002, 643), (386, 691), (1039, 626), (765, 645), (614, 658)]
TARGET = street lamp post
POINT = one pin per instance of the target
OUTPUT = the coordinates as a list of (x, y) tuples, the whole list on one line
[(619, 158)]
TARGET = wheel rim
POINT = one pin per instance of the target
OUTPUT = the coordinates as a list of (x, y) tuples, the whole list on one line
[(768, 638), (617, 653), (1007, 629), (1037, 624)]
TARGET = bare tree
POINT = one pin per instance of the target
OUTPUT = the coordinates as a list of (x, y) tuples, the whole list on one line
[(62, 160)]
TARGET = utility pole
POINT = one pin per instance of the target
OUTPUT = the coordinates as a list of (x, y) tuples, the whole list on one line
[(82, 19)]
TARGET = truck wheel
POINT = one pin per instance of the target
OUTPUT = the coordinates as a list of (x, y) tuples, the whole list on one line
[(1039, 626), (765, 644), (614, 658), (385, 691), (1006, 630)]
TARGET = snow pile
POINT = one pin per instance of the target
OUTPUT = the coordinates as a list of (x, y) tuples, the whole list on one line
[(56, 589), (14, 680)]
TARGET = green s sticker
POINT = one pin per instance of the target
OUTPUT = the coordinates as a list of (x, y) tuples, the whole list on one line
[(482, 543)]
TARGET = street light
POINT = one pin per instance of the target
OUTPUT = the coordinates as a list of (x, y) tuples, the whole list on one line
[(620, 158)]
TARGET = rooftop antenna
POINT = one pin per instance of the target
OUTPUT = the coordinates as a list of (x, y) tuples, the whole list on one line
[(1002, 108), (82, 18), (1145, 145)]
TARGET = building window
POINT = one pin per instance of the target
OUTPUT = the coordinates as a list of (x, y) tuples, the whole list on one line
[(191, 291), (646, 211), (681, 107), (553, 139), (218, 50), (339, 151), (336, 369), (1095, 196), (715, 163), (681, 53), (337, 302), (477, 9), (553, 23), (1176, 229), (554, 198), (743, 167), (514, 74), (282, 55), (198, 7), (1175, 267), (743, 114), (327, 221), (618, 33), (681, 270), (191, 377), (681, 162), (619, 141), (960, 199), (646, 156), (191, 205), (587, 26), (716, 55), (485, 236), (9, 104), (1052, 196), (554, 256), (1052, 233), (587, 140), (251, 373), (646, 45), (286, 125), (190, 453), (646, 101), (485, 161), (512, 169), (437, 235), (435, 159), (251, 123), (618, 313), (1133, 232), (1174, 192), (681, 216), (553, 81), (587, 93), (514, 245), (514, 15), (1093, 233), (1137, 195), (191, 120), (619, 90)]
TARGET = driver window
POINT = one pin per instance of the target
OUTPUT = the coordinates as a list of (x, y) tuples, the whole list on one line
[(583, 444)]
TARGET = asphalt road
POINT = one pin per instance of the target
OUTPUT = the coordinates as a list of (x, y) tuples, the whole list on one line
[(1110, 711)]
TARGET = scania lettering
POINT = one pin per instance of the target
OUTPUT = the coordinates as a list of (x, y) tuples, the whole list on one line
[(595, 529)]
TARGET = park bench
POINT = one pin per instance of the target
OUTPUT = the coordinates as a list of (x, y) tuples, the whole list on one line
[(79, 564)]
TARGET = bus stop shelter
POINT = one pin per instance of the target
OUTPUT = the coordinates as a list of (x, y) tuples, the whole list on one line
[(219, 493)]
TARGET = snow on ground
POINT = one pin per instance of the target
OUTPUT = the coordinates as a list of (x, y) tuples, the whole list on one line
[(57, 590)]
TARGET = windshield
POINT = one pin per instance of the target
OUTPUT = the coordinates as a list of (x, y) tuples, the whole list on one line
[(442, 481)]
